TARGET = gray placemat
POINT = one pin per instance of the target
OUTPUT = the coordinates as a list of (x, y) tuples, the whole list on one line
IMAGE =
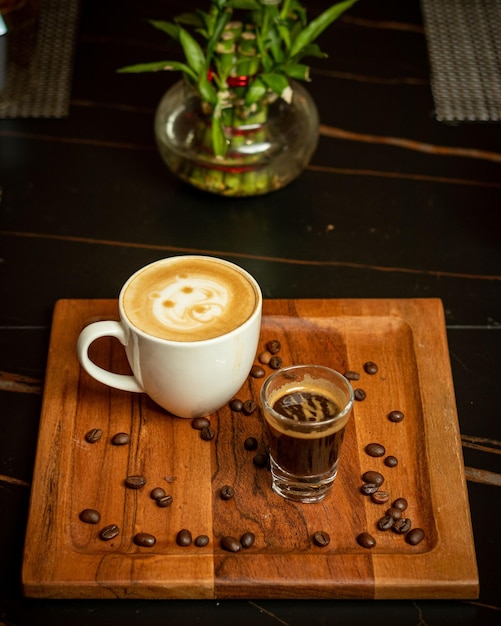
[(38, 79), (464, 46)]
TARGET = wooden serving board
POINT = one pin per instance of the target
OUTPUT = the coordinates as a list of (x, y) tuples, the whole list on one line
[(65, 558)]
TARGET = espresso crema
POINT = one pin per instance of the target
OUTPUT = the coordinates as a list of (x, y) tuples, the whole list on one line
[(189, 299)]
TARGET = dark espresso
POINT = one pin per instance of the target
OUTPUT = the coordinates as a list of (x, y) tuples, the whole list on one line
[(298, 451)]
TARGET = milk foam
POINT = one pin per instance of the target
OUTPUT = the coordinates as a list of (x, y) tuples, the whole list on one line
[(187, 303)]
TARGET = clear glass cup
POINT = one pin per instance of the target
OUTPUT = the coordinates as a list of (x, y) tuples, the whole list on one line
[(306, 410)]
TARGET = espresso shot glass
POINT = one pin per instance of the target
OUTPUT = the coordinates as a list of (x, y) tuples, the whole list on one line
[(306, 409)]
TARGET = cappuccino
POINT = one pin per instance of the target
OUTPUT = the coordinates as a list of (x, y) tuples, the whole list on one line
[(189, 298)]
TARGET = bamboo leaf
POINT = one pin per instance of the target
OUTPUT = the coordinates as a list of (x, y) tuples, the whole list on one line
[(190, 19), (276, 82), (206, 89), (193, 52), (297, 71), (255, 92), (250, 5), (158, 66), (318, 25), (167, 27)]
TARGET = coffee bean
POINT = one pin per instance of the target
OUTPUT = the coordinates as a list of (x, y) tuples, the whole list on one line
[(207, 433), (93, 435), (351, 375), (369, 488), (394, 512), (373, 477), (227, 492), (249, 407), (380, 497), (184, 538), (375, 449), (90, 516), (164, 501), (395, 416), (400, 503), (402, 525), (236, 405), (135, 482), (145, 540), (200, 423), (391, 461), (120, 439), (275, 362), (359, 394), (264, 357), (386, 522), (370, 367), (366, 540), (260, 460), (201, 541), (109, 532), (273, 346), (257, 371), (321, 538), (231, 544), (250, 443), (157, 493), (415, 536), (247, 540)]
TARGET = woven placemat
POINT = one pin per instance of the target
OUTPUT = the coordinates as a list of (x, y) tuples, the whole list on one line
[(464, 46), (38, 80)]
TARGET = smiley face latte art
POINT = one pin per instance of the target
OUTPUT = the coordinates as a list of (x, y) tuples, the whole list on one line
[(189, 299)]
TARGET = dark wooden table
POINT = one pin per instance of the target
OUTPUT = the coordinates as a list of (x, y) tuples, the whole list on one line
[(393, 205)]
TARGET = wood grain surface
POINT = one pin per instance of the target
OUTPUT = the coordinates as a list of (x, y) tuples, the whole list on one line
[(65, 558)]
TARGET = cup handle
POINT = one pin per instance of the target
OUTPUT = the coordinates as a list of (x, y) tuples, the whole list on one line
[(88, 335)]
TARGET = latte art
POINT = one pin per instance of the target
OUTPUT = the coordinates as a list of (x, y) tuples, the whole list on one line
[(188, 303), (189, 298)]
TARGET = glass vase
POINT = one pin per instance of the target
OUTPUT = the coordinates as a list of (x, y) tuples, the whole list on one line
[(265, 149)]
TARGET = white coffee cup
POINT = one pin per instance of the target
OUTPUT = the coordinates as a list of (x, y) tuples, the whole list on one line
[(190, 327)]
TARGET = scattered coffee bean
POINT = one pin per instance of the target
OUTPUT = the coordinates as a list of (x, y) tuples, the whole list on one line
[(370, 367), (249, 407), (207, 433), (260, 460), (351, 375), (227, 492), (236, 405), (395, 416), (250, 443), (380, 497), (135, 482), (400, 503), (264, 357), (120, 439), (391, 461), (373, 477), (375, 449), (200, 423), (145, 540), (359, 394), (369, 488), (170, 479), (402, 525), (90, 516), (275, 362), (231, 544), (157, 493), (201, 541), (366, 540), (184, 538), (257, 371), (109, 532), (273, 346), (415, 536), (247, 540), (93, 435), (321, 538), (385, 523), (394, 512), (164, 501)]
